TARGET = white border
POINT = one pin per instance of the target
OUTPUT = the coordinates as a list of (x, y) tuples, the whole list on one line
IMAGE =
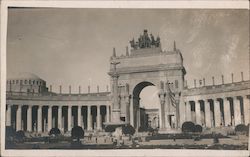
[(106, 4), (241, 4)]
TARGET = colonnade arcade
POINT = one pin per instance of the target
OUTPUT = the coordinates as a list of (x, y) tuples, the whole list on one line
[(41, 118), (218, 112)]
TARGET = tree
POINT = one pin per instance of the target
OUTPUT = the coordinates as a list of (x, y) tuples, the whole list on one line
[(10, 132), (54, 131), (188, 127), (128, 129), (77, 132), (110, 128), (198, 128), (241, 128), (20, 136), (10, 135)]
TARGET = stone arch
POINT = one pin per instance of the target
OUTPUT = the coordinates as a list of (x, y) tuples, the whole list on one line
[(136, 90)]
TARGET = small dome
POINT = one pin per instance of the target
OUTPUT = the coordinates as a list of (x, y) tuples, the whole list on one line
[(25, 75)]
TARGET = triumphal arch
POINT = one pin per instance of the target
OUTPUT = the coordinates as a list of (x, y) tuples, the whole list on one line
[(147, 65)]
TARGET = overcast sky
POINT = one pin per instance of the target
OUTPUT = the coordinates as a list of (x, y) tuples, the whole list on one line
[(73, 46)]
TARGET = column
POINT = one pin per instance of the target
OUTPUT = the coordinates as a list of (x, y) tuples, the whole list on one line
[(18, 117), (163, 118), (227, 112), (29, 118), (188, 111), (60, 118), (138, 119), (198, 112), (177, 119), (237, 113), (53, 122), (107, 113), (127, 100), (39, 119), (217, 117), (49, 118), (116, 110), (98, 118), (69, 118), (246, 104), (160, 117), (131, 112), (167, 105), (8, 115), (207, 113), (44, 125), (89, 118), (79, 122)]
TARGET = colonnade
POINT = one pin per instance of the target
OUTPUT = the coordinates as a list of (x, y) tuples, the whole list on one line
[(217, 112), (41, 118)]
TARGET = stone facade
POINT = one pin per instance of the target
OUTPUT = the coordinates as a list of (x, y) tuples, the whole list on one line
[(39, 111)]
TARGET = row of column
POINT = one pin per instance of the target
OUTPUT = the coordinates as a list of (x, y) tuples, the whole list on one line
[(229, 111), (39, 118)]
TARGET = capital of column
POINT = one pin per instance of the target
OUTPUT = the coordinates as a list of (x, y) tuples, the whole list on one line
[(196, 101), (9, 105), (114, 76), (225, 98), (30, 106), (39, 106), (207, 100), (19, 105), (234, 98)]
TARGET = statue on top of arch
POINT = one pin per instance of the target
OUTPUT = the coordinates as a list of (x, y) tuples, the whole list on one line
[(145, 41)]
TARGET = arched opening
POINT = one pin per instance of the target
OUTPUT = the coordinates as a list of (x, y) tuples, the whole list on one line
[(145, 98), (149, 98)]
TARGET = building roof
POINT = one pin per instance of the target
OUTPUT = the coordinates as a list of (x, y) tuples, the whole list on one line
[(25, 75)]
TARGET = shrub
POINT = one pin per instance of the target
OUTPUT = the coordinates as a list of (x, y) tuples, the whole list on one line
[(20, 136), (54, 131), (198, 128), (150, 129), (188, 127), (128, 129), (111, 128), (77, 132), (10, 132), (241, 128)]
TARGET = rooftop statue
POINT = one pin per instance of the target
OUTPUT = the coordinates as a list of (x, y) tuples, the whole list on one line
[(145, 41)]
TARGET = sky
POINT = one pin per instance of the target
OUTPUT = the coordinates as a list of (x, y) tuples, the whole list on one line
[(73, 46)]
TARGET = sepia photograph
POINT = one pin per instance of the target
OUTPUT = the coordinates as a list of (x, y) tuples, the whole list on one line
[(126, 79)]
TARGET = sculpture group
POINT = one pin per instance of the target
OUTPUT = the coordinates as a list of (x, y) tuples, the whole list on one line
[(145, 41)]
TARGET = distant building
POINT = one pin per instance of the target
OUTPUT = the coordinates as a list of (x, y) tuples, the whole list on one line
[(153, 118)]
